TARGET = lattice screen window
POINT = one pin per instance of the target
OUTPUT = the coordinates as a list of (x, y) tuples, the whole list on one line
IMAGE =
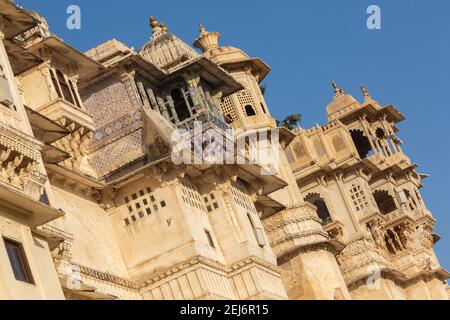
[(211, 202), (142, 203), (228, 109), (358, 198), (245, 98), (241, 196), (191, 196)]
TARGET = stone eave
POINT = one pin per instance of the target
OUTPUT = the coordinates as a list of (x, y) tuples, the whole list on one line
[(52, 239), (74, 176), (217, 76), (268, 206), (17, 20), (333, 246), (389, 273), (372, 112), (271, 183), (86, 67), (258, 64), (51, 130), (32, 212), (21, 59)]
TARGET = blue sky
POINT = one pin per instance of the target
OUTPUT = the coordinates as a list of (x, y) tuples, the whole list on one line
[(308, 44)]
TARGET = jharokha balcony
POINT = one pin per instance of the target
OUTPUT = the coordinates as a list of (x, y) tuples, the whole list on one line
[(59, 110)]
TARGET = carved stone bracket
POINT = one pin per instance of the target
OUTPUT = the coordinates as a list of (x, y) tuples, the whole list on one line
[(19, 155)]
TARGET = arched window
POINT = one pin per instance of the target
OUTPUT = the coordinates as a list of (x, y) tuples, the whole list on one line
[(385, 202), (362, 143), (382, 142), (322, 209), (380, 133), (180, 105), (249, 110)]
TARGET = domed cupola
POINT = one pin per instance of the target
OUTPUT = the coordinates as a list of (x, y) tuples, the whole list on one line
[(164, 49)]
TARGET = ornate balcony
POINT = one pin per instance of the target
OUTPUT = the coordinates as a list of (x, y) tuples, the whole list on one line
[(80, 125), (65, 113)]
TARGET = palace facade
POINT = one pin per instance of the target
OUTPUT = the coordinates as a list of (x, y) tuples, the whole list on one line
[(93, 206)]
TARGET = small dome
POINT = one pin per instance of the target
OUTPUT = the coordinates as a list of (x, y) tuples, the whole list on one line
[(222, 55), (341, 105), (165, 50)]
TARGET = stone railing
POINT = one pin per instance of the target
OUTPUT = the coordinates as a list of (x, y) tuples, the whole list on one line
[(293, 227)]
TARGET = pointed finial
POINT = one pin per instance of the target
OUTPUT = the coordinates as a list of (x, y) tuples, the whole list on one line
[(206, 40), (163, 27), (201, 28), (365, 93), (153, 22), (337, 91)]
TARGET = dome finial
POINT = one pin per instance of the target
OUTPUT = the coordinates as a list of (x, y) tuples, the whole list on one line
[(365, 92), (337, 90), (153, 22), (201, 28), (164, 28), (206, 40)]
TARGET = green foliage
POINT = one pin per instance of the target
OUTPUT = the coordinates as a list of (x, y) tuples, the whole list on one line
[(263, 88), (290, 122)]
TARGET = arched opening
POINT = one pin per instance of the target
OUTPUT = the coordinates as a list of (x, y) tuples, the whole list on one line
[(380, 133), (362, 143), (180, 105), (249, 110), (385, 201), (322, 209), (382, 141)]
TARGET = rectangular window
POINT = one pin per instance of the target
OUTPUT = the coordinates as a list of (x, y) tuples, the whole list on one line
[(18, 260), (210, 240), (56, 85), (259, 233), (64, 87), (74, 92)]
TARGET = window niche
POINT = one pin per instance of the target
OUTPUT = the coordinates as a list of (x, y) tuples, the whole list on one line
[(362, 143), (64, 87), (249, 110), (18, 261), (322, 209), (385, 201), (180, 104)]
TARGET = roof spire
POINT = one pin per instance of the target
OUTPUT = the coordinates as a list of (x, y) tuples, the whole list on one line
[(365, 93), (153, 23), (158, 28), (206, 40), (337, 90)]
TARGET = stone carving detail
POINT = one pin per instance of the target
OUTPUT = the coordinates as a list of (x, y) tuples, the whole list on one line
[(18, 157), (77, 144)]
